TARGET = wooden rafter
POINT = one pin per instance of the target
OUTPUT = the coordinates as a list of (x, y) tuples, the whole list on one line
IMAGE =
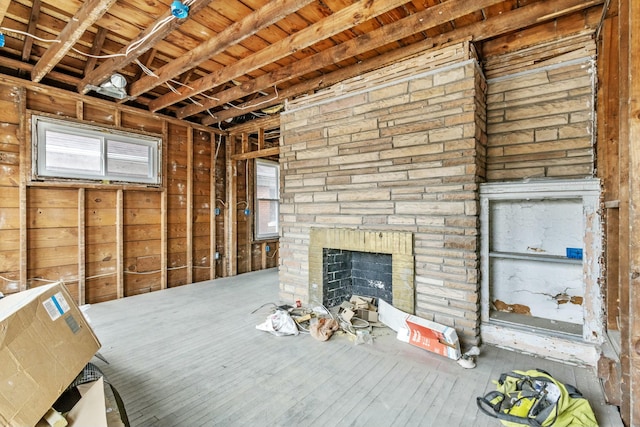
[(98, 41), (415, 23), (508, 21), (146, 40), (269, 14), (31, 29), (4, 5), (88, 14), (342, 20)]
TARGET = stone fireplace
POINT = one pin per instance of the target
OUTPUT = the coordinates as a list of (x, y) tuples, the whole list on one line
[(339, 248), (389, 163)]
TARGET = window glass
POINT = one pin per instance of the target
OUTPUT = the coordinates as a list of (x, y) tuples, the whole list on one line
[(72, 150), (267, 199)]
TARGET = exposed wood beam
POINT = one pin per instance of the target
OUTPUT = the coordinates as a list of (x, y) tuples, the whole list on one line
[(231, 217), (23, 66), (342, 20), (263, 123), (89, 13), (96, 47), (269, 14), (145, 41), (82, 253), (634, 211), (509, 21), (266, 152), (429, 18), (189, 208), (4, 5), (52, 91), (120, 289), (31, 29)]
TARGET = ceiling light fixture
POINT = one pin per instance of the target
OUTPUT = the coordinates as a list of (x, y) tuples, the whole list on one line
[(179, 9), (113, 87)]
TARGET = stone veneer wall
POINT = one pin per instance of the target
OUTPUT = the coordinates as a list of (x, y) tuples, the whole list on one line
[(398, 149), (540, 113)]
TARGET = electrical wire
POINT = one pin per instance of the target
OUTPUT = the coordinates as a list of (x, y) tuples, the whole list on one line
[(11, 30), (259, 103)]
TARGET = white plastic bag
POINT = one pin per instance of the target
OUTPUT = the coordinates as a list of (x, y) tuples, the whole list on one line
[(279, 323)]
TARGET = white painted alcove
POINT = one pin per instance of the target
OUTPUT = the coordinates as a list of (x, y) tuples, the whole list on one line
[(534, 298)]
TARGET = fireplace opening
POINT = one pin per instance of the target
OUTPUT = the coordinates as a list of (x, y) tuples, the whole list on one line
[(347, 273)]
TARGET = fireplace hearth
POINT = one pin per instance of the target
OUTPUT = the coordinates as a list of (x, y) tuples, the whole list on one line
[(344, 262)]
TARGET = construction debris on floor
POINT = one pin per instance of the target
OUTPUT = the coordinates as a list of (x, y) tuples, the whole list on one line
[(45, 343), (356, 318)]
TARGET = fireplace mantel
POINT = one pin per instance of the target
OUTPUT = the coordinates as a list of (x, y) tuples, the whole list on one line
[(398, 244)]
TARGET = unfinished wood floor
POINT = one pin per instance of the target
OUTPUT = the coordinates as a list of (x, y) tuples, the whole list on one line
[(192, 356)]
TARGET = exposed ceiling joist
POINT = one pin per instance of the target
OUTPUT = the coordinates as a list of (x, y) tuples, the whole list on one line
[(98, 42), (269, 14), (31, 28), (406, 27), (232, 58), (489, 28), (336, 23), (4, 5), (88, 14), (145, 41)]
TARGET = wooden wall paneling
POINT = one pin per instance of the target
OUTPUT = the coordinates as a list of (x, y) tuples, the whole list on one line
[(177, 205), (142, 241), (82, 259), (61, 104), (189, 197), (202, 206), (634, 201), (231, 221), (100, 245), (624, 219), (120, 243), (51, 212)]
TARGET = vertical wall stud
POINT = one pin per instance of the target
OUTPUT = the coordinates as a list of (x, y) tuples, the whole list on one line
[(120, 243), (212, 204), (163, 209), (189, 215), (82, 258), (231, 218), (25, 167)]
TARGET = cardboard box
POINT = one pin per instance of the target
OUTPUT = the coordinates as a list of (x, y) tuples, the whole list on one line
[(368, 315), (431, 336), (423, 333), (45, 342)]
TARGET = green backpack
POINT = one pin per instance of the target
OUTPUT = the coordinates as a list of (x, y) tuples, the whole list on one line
[(534, 398)]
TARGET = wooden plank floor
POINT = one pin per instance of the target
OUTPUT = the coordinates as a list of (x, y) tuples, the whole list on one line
[(192, 356)]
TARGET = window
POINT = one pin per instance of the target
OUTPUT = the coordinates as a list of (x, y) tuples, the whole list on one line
[(65, 149), (267, 198)]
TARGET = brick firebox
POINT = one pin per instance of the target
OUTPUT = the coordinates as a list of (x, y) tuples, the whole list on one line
[(398, 244)]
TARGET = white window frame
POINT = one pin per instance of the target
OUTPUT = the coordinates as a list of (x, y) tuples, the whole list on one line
[(149, 148), (260, 234)]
